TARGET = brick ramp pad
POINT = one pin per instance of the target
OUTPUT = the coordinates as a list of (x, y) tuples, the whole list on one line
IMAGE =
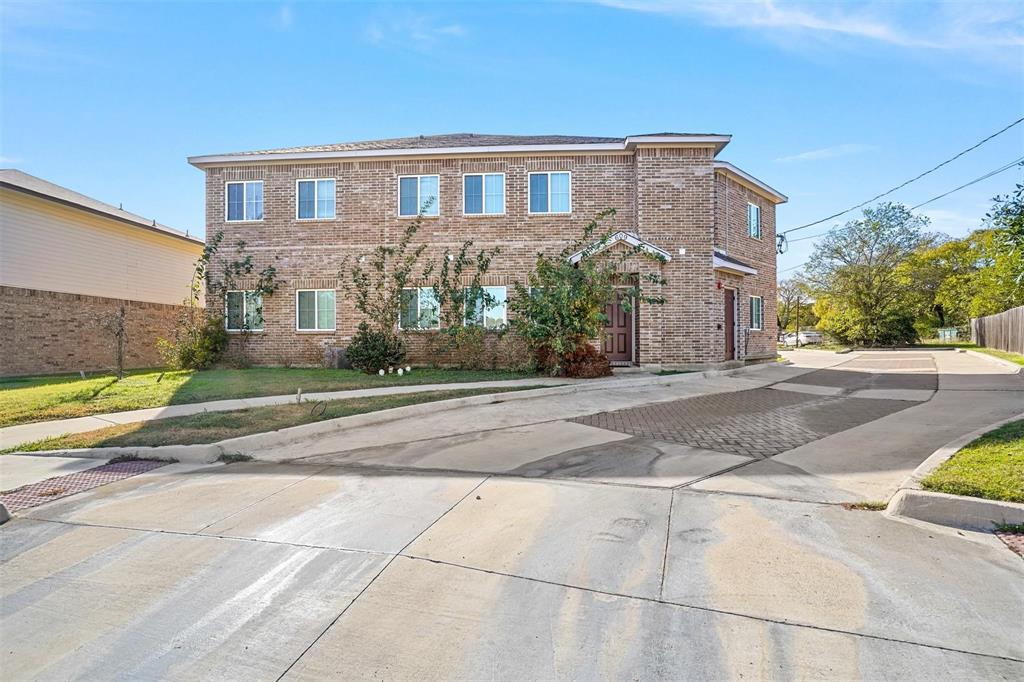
[(62, 486), (758, 423)]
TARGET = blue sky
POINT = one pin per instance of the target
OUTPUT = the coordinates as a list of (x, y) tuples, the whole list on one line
[(829, 103)]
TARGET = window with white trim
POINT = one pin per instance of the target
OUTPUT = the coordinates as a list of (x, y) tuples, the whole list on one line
[(243, 311), (488, 308), (420, 309), (314, 199), (756, 313), (754, 221), (314, 310), (244, 201), (483, 194), (419, 193), (550, 192)]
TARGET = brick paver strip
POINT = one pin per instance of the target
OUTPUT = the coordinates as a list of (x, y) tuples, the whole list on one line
[(1014, 541), (62, 486), (757, 423)]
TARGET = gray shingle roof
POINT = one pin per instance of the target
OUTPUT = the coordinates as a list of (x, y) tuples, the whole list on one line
[(450, 140), (30, 184)]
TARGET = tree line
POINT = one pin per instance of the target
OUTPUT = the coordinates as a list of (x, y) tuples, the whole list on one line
[(884, 279)]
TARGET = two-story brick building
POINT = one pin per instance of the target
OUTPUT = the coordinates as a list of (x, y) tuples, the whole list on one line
[(305, 209)]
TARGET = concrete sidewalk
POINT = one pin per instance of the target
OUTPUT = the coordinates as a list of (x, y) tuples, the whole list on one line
[(26, 433)]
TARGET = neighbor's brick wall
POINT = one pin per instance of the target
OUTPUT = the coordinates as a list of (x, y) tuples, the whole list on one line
[(732, 236), (666, 194), (46, 332)]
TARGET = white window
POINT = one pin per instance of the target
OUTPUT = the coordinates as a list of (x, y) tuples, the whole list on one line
[(488, 308), (754, 221), (483, 194), (244, 311), (314, 199), (414, 193), (550, 193), (756, 313), (244, 201), (314, 310), (420, 309)]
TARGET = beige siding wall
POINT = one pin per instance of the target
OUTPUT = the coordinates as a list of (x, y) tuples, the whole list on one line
[(49, 247)]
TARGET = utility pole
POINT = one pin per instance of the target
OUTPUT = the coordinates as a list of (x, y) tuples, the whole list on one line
[(798, 317)]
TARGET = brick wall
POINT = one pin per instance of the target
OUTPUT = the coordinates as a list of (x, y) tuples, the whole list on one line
[(46, 332), (732, 236), (666, 194)]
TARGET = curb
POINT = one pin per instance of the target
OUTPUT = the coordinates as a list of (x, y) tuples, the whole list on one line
[(1018, 369), (243, 445), (957, 511)]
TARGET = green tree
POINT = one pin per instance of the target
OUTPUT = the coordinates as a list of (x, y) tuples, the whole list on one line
[(795, 301), (856, 272)]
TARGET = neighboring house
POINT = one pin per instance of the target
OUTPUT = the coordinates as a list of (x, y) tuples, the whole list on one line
[(305, 209), (67, 261)]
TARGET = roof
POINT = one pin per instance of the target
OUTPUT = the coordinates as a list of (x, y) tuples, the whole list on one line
[(20, 181), (629, 238), (720, 260), (455, 143), (750, 181)]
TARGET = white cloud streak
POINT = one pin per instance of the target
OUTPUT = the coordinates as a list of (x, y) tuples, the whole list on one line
[(833, 152)]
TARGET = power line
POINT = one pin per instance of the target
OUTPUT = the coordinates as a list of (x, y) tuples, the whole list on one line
[(902, 185), (986, 176)]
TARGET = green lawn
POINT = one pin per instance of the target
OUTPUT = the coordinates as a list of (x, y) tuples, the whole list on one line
[(34, 399), (991, 467), (1015, 358), (210, 427)]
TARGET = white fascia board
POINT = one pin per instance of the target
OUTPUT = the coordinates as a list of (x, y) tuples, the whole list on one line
[(718, 141), (773, 194), (728, 266), (200, 161), (627, 237)]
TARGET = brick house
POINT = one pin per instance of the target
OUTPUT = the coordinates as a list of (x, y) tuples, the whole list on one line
[(306, 208), (67, 261)]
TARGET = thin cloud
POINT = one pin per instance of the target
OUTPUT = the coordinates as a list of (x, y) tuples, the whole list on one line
[(833, 152), (285, 17), (983, 29), (411, 30)]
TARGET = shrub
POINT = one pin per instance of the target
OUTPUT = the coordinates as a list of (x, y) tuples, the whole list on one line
[(584, 361), (196, 345), (374, 349)]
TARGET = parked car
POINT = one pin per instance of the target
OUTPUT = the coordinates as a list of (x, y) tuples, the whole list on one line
[(806, 338)]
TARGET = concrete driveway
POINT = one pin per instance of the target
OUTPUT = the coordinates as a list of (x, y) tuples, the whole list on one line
[(632, 534)]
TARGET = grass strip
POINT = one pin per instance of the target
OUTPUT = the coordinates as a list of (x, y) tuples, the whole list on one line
[(210, 427), (991, 467)]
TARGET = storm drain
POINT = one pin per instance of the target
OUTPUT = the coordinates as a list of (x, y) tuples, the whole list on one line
[(57, 487)]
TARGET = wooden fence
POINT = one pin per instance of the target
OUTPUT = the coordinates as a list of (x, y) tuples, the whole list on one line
[(1004, 330)]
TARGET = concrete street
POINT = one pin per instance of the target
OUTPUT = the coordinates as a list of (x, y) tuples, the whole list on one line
[(683, 531)]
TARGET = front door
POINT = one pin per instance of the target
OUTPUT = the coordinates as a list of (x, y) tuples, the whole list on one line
[(730, 324), (618, 333)]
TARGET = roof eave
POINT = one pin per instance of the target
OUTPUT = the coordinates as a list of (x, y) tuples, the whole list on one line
[(752, 182), (630, 143)]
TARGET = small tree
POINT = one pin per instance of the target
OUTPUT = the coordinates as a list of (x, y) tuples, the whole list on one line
[(115, 324), (563, 308), (200, 337), (374, 282)]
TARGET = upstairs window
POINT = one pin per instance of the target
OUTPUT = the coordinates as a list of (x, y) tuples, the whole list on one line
[(754, 221), (549, 193), (488, 308), (414, 191), (420, 309), (314, 310), (244, 201), (484, 194), (244, 311), (756, 313), (315, 200)]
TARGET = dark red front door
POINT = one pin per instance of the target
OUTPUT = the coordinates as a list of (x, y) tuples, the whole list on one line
[(730, 324), (618, 333)]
